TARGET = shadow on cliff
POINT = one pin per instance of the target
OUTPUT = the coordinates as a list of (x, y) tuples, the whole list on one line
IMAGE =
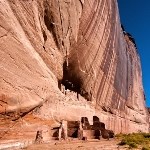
[(49, 22), (72, 81)]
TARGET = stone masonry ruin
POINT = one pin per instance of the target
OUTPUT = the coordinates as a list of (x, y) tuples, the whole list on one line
[(82, 130)]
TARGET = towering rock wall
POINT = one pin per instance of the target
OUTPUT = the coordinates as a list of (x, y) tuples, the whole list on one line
[(45, 43)]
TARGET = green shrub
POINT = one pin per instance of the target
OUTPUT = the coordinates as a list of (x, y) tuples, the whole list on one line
[(146, 135), (135, 139), (132, 145), (123, 142), (145, 148)]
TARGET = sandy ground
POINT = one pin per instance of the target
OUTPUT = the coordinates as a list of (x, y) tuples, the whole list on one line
[(79, 145)]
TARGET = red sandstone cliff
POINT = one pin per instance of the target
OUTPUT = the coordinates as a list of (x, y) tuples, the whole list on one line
[(44, 43)]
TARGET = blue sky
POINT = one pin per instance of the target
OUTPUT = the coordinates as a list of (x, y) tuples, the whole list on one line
[(135, 17)]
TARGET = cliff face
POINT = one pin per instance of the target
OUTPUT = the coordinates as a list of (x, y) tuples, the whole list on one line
[(49, 43)]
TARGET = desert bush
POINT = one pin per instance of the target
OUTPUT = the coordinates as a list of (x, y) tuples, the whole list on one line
[(132, 145), (123, 142), (135, 139), (146, 135), (145, 148)]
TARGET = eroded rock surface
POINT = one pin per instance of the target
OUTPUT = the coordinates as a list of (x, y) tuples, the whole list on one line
[(44, 43)]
